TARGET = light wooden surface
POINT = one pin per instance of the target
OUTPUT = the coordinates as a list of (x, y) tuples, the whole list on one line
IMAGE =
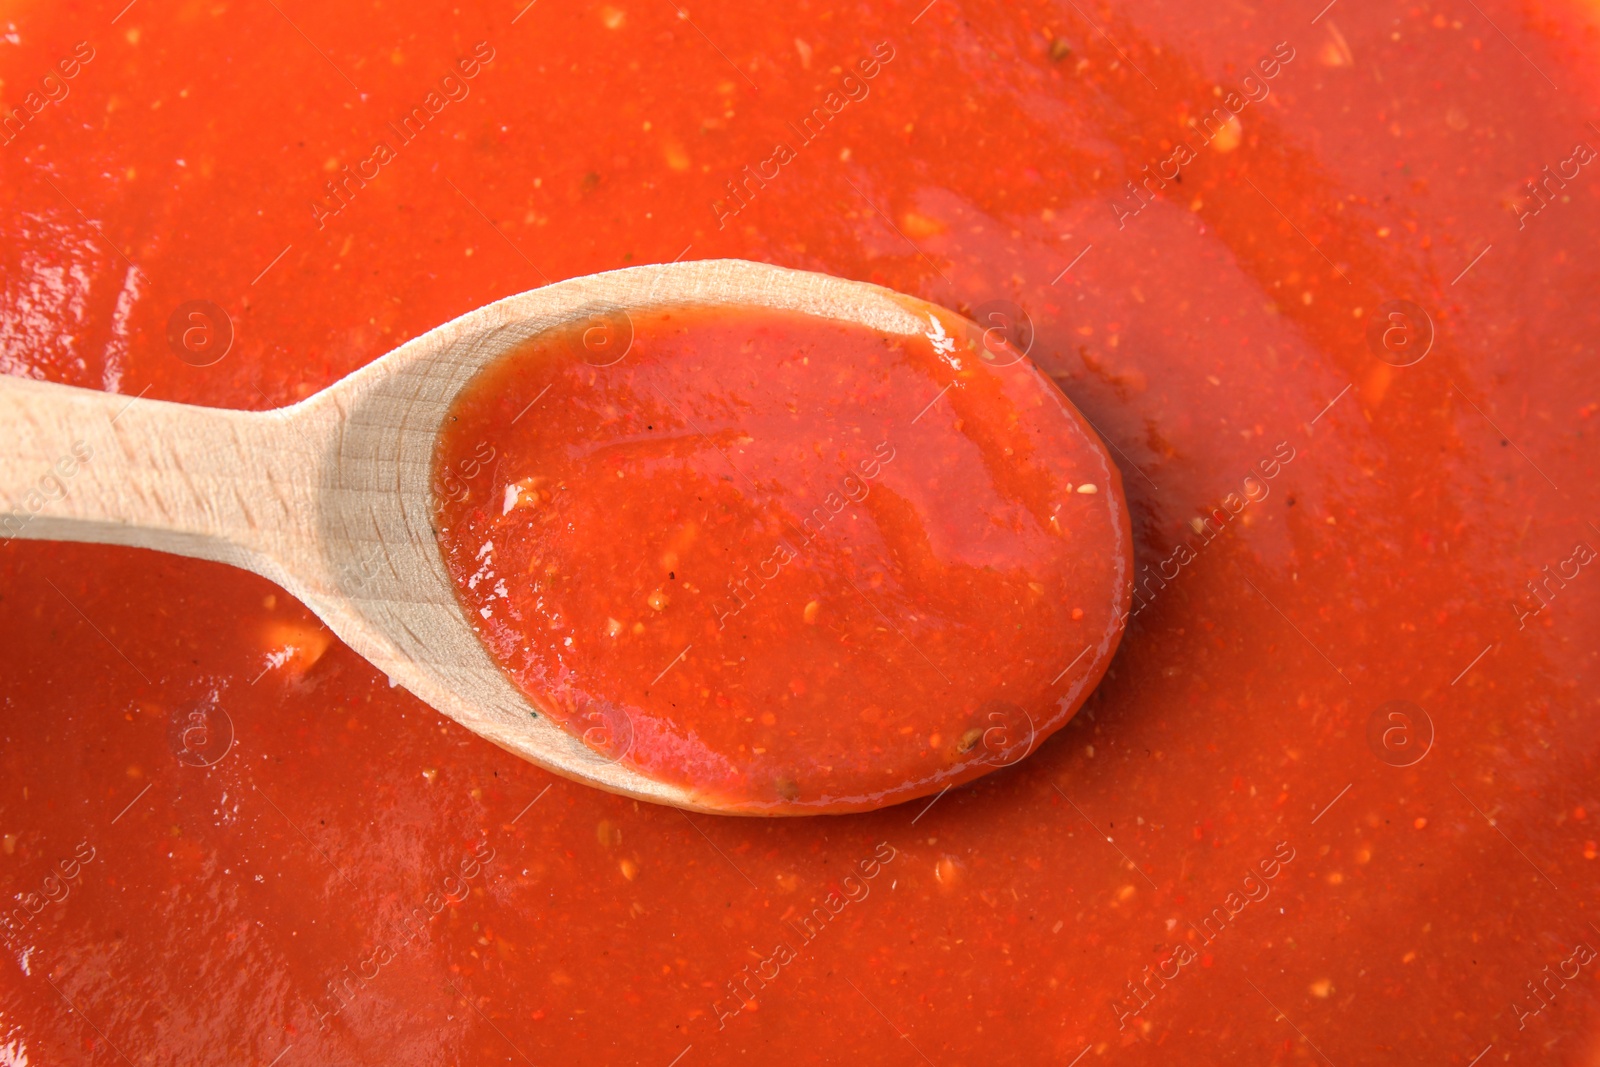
[(331, 498)]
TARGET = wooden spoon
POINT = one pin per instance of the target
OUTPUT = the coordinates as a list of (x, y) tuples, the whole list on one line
[(331, 498)]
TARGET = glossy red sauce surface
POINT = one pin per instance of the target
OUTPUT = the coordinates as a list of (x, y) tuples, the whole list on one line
[(789, 563), (336, 874)]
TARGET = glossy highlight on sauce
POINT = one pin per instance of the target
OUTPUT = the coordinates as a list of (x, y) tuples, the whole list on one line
[(792, 563)]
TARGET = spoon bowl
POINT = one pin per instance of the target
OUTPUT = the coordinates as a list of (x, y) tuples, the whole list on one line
[(332, 498)]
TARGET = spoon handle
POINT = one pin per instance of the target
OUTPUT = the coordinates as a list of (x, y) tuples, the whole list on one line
[(82, 465)]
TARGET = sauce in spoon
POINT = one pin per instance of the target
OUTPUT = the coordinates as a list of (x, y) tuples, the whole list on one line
[(788, 562)]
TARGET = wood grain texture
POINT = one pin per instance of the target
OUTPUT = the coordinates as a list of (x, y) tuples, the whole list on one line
[(331, 498)]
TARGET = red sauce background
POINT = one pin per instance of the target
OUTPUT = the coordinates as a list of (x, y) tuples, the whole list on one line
[(697, 553), (1220, 320)]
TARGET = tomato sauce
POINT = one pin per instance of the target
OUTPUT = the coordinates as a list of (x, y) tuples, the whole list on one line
[(787, 562), (1334, 800)]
